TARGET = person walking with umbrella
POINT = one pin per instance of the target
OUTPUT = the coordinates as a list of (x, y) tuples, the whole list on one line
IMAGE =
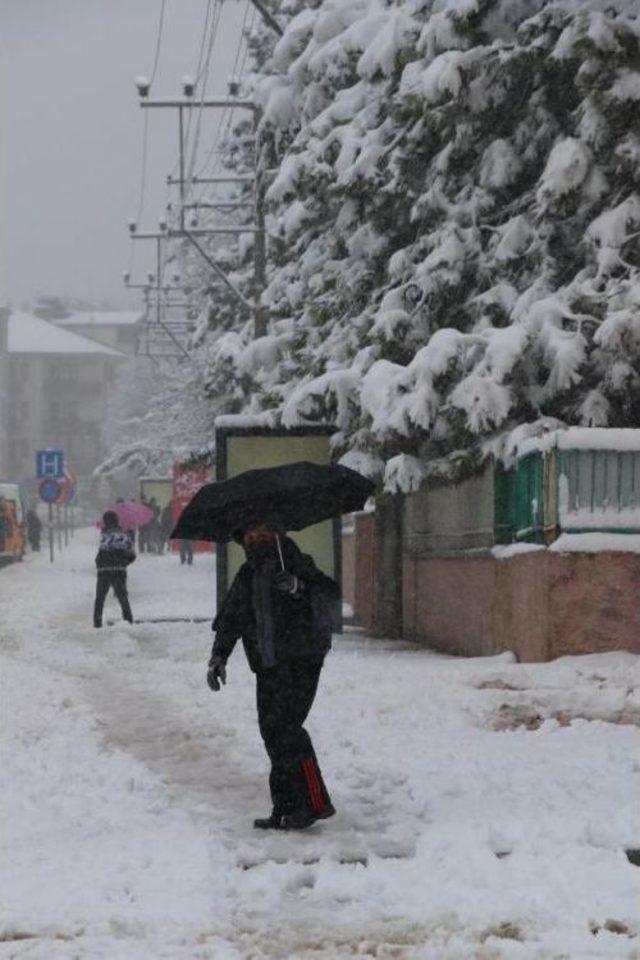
[(271, 606), (281, 605)]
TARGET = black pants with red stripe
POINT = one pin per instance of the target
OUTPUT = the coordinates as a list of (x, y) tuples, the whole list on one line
[(285, 694)]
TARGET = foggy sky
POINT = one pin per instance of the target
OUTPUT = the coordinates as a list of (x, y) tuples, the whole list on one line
[(71, 135)]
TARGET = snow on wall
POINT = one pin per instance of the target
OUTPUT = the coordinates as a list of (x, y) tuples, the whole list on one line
[(582, 438)]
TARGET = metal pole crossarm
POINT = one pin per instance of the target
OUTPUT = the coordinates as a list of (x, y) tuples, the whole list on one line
[(176, 305), (238, 178), (212, 231), (178, 324), (194, 103), (218, 205), (149, 236), (176, 234)]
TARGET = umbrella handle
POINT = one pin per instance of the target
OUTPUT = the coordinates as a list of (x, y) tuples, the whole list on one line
[(280, 551)]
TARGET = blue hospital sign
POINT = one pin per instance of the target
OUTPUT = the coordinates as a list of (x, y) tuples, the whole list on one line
[(49, 464)]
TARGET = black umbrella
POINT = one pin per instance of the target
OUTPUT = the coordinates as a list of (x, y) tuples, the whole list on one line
[(293, 496)]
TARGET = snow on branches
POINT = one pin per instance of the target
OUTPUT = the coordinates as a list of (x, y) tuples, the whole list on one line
[(456, 225)]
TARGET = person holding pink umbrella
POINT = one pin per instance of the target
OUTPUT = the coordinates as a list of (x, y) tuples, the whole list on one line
[(131, 514), (114, 555)]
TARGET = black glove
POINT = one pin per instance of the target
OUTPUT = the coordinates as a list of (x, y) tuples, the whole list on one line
[(286, 582), (216, 672)]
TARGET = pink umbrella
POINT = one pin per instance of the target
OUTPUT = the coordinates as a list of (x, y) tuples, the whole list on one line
[(131, 514)]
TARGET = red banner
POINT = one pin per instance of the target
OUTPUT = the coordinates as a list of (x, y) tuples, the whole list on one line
[(186, 483)]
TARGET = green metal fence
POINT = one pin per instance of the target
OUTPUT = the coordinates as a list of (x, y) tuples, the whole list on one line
[(599, 490), (567, 490)]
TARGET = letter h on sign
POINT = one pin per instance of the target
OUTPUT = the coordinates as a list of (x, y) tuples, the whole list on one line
[(49, 464)]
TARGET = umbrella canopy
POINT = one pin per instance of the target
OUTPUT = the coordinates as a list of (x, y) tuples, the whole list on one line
[(293, 496), (131, 514)]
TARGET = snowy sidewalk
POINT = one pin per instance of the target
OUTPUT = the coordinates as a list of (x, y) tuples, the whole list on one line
[(484, 807)]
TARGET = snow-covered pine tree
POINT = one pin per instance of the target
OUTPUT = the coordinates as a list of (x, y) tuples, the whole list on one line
[(457, 220)]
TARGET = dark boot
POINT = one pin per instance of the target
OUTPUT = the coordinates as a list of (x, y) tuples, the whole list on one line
[(301, 819), (273, 822)]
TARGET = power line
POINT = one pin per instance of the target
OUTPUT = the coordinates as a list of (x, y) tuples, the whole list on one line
[(227, 116), (198, 70), (203, 42), (207, 64), (145, 132), (158, 42)]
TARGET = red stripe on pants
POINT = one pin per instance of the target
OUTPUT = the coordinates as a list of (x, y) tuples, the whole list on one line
[(313, 784)]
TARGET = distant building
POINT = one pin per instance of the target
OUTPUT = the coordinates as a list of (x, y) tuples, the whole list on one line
[(119, 329), (54, 388)]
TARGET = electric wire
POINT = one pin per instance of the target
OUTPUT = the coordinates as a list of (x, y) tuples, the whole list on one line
[(203, 41), (145, 135), (227, 116), (156, 58), (196, 139), (225, 112), (203, 73), (198, 71)]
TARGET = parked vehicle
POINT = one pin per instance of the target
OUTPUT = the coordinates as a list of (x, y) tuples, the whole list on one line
[(12, 527)]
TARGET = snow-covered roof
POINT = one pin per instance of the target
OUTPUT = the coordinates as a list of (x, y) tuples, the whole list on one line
[(27, 333), (583, 438), (245, 420), (99, 318)]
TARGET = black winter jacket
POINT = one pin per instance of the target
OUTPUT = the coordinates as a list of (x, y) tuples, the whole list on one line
[(115, 551), (303, 626)]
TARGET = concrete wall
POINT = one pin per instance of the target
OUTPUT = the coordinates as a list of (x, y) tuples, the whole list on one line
[(594, 602), (540, 605), (365, 578), (453, 517), (349, 566), (387, 597)]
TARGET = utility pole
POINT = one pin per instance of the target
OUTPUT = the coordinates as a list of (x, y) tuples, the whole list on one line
[(259, 246), (191, 236), (190, 102), (156, 284)]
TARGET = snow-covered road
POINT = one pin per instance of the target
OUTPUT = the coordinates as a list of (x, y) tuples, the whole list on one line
[(484, 807)]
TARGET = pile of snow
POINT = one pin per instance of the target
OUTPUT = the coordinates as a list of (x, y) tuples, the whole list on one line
[(582, 438)]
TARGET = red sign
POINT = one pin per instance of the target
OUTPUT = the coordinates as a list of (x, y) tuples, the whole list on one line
[(186, 483), (67, 487)]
